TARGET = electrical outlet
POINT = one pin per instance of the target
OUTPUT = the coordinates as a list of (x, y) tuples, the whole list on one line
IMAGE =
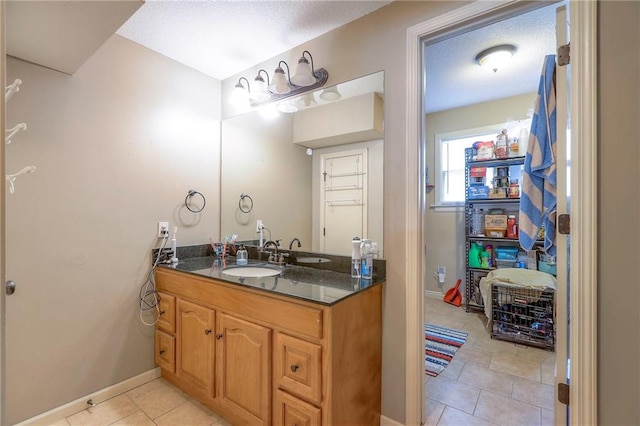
[(259, 225), (442, 273), (163, 229)]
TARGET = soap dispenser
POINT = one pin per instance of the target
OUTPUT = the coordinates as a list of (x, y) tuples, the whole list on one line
[(241, 256)]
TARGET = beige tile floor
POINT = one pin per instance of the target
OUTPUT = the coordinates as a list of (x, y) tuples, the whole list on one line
[(488, 382), (154, 403)]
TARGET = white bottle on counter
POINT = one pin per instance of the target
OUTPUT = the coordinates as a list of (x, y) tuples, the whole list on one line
[(356, 257)]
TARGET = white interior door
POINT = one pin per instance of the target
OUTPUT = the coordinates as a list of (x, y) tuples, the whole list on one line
[(343, 200), (563, 141)]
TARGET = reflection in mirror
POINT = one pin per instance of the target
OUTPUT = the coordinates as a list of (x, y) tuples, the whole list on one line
[(309, 167)]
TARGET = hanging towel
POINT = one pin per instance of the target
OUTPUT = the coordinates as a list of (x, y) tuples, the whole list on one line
[(538, 195)]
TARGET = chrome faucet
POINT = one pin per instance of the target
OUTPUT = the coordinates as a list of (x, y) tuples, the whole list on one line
[(293, 241), (271, 243), (273, 256)]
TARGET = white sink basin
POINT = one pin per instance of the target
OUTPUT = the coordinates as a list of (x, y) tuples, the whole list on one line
[(250, 271)]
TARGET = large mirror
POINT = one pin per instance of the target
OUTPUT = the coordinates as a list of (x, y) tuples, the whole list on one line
[(309, 167)]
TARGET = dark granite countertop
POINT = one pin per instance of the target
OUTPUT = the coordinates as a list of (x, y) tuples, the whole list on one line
[(316, 283)]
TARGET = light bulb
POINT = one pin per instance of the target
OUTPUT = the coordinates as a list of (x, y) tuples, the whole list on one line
[(280, 84), (304, 75)]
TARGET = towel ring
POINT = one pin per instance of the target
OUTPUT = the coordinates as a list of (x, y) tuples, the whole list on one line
[(190, 194), (249, 208)]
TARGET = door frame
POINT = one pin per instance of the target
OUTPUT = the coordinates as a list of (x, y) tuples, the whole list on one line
[(583, 257)]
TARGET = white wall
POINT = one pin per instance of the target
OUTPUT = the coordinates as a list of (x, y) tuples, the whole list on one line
[(618, 213), (117, 146), (444, 229)]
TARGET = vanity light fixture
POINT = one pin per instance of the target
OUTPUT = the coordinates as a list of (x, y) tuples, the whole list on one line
[(306, 101), (240, 95), (260, 87), (280, 83), (496, 57), (305, 75), (330, 94), (287, 106)]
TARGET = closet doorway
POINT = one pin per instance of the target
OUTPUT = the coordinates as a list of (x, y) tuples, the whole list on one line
[(487, 379)]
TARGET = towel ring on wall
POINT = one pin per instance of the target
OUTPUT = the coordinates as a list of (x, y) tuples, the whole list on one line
[(187, 199), (247, 209)]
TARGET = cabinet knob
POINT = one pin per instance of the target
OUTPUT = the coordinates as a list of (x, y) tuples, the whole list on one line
[(207, 331), (162, 351), (161, 312), (219, 336), (294, 368)]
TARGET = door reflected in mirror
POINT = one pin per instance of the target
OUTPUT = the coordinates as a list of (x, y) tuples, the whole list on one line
[(309, 167)]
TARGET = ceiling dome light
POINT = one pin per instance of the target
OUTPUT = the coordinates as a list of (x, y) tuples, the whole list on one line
[(496, 57)]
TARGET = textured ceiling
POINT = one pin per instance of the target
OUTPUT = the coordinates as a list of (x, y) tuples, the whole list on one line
[(454, 79), (223, 38)]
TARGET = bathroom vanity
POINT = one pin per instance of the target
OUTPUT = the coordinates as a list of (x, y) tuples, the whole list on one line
[(302, 348)]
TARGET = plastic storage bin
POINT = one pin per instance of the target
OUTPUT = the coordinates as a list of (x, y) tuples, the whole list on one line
[(507, 253), (502, 263)]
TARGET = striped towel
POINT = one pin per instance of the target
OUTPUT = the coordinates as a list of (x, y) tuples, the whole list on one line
[(538, 195)]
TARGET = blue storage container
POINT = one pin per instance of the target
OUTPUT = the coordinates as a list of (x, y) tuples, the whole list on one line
[(506, 253)]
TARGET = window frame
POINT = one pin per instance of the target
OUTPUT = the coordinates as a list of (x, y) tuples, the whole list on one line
[(446, 137)]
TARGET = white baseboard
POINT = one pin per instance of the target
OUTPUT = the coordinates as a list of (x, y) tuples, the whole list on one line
[(386, 421), (97, 397), (432, 294)]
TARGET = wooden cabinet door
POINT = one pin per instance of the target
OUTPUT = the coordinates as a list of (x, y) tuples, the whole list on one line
[(290, 411), (166, 312), (298, 367), (165, 348), (243, 369), (196, 343)]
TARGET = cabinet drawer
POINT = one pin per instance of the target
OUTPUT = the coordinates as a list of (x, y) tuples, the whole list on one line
[(167, 312), (290, 411), (298, 367), (165, 351)]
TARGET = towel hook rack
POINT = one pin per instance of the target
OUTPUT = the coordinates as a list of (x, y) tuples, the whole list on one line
[(11, 89), (11, 132), (12, 178)]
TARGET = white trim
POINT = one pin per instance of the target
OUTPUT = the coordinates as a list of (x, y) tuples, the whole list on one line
[(414, 387), (386, 421), (583, 326), (73, 407), (432, 294), (446, 137), (414, 370)]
